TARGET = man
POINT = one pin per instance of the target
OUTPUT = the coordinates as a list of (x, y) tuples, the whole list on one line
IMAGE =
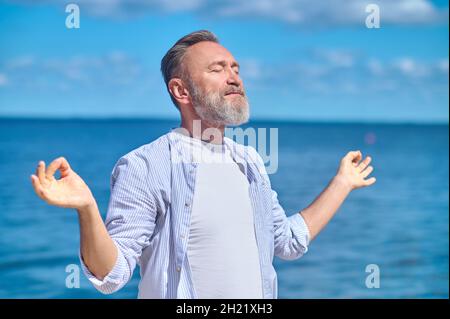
[(195, 209)]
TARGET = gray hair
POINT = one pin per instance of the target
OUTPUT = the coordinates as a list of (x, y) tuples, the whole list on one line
[(171, 63)]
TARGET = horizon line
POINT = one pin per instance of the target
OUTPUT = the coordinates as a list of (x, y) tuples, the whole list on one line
[(257, 119)]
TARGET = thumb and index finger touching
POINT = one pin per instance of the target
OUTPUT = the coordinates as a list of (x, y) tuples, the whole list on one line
[(42, 174), (60, 164), (354, 156)]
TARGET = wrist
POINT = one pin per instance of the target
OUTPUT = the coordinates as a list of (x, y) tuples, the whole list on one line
[(342, 182), (88, 209)]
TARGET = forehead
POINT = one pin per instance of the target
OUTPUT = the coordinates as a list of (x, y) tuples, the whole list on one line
[(204, 53)]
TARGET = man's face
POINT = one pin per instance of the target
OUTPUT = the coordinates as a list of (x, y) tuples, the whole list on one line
[(216, 90)]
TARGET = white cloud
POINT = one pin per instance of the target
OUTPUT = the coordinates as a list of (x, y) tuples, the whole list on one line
[(375, 67), (442, 65), (111, 70), (407, 66), (252, 67), (348, 73), (3, 79), (305, 13), (336, 58), (316, 72), (20, 62)]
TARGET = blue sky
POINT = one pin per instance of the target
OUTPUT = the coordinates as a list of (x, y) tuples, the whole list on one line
[(301, 60)]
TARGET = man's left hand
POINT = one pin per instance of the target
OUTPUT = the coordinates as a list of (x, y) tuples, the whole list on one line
[(353, 172)]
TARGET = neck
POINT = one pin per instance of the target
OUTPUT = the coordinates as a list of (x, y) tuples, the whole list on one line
[(201, 129)]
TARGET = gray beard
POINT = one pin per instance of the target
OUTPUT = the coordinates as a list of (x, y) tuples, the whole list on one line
[(215, 109)]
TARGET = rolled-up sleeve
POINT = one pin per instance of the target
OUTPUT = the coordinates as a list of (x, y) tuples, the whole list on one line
[(113, 280), (130, 221), (291, 234)]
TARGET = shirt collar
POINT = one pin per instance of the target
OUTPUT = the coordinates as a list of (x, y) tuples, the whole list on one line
[(238, 152)]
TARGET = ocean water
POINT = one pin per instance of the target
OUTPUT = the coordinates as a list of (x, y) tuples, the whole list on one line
[(400, 224)]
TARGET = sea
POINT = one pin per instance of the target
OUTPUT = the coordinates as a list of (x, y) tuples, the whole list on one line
[(389, 240)]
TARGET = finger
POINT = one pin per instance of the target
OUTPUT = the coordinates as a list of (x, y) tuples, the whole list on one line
[(357, 158), (64, 167), (37, 186), (40, 171), (367, 171), (53, 167), (364, 163), (370, 181), (354, 156)]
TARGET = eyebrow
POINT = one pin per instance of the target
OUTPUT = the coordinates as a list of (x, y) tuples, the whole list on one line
[(224, 63)]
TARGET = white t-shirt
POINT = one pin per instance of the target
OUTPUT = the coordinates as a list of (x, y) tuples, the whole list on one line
[(222, 249)]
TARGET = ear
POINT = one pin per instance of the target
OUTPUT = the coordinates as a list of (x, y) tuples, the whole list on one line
[(178, 91)]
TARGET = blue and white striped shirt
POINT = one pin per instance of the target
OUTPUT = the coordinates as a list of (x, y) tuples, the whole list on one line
[(148, 218)]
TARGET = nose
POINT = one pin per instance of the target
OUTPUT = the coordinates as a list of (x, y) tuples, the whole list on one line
[(234, 78)]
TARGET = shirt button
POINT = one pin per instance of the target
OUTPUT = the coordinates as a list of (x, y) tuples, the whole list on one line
[(178, 268), (182, 236), (187, 204)]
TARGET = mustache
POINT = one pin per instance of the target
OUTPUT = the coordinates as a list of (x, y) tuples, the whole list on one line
[(234, 90)]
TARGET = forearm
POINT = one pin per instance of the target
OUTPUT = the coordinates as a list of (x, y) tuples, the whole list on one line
[(324, 207), (98, 250)]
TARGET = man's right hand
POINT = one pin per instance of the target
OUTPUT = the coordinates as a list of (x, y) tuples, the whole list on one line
[(70, 191), (98, 250)]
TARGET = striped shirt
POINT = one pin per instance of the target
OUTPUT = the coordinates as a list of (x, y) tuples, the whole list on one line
[(149, 211)]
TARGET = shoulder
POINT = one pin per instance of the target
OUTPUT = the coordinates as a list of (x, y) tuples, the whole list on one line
[(153, 157), (151, 151)]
